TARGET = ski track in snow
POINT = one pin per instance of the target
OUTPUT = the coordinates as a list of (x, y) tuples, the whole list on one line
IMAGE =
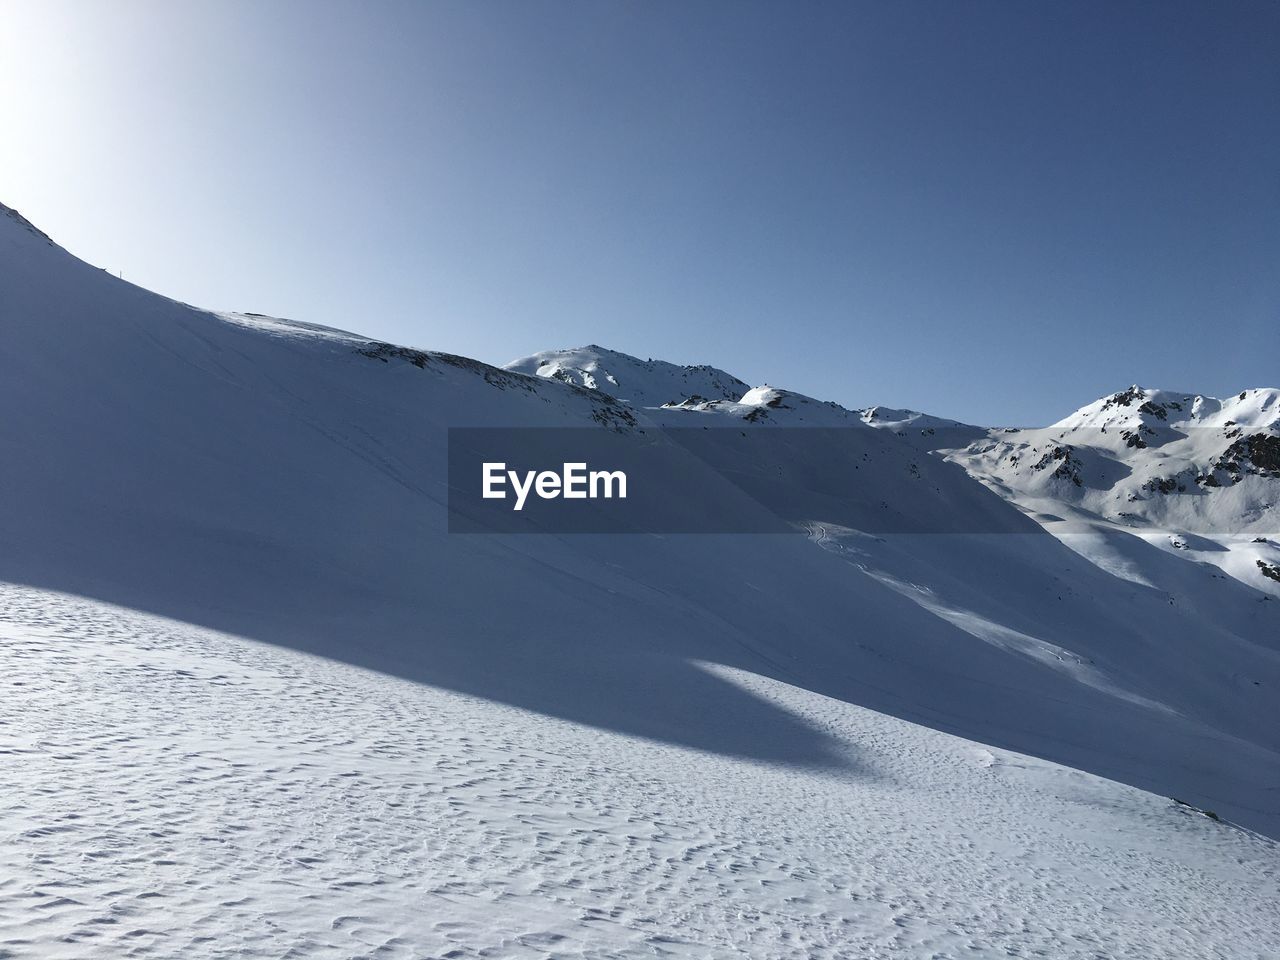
[(175, 792)]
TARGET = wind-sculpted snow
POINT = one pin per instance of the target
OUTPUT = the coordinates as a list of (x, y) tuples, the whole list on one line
[(175, 792)]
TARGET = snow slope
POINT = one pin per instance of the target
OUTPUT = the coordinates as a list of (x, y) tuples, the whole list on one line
[(277, 491), (190, 794)]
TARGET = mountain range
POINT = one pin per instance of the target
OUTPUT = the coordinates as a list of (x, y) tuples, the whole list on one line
[(947, 717)]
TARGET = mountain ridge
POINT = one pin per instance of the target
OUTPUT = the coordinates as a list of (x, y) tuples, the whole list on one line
[(1092, 460)]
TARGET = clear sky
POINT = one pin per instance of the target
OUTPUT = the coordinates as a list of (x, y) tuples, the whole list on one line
[(993, 211)]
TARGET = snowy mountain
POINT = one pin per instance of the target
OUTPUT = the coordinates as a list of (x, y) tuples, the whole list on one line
[(1188, 473), (1201, 463), (642, 383), (260, 700)]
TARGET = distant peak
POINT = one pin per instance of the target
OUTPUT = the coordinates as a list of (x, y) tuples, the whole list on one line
[(1153, 407), (642, 383)]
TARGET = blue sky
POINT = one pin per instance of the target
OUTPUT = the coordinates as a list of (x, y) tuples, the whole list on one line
[(994, 211)]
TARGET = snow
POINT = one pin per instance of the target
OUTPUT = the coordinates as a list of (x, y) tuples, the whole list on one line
[(642, 383), (766, 406), (1168, 466), (190, 793), (262, 702)]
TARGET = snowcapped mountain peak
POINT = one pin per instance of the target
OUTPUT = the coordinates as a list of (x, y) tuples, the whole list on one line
[(1135, 404), (641, 383), (695, 388), (1154, 459), (1255, 407)]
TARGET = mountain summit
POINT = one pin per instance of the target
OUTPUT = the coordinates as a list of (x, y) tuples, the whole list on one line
[(642, 383)]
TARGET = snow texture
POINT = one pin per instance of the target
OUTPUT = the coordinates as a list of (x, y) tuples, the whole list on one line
[(260, 703), (190, 794)]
